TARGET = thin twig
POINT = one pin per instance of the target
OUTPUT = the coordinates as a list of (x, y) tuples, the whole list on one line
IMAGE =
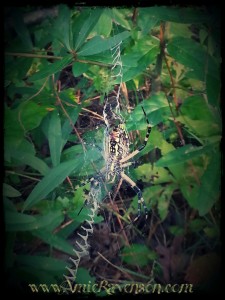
[(39, 91), (94, 113), (22, 175)]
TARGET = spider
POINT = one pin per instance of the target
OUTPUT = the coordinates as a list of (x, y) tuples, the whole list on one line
[(116, 152)]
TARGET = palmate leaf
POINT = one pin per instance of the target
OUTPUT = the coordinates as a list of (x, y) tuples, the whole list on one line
[(54, 177)]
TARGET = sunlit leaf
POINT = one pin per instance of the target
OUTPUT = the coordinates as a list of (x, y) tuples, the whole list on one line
[(104, 24), (119, 15)]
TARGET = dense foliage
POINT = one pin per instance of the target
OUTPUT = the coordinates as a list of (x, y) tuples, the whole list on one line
[(57, 70)]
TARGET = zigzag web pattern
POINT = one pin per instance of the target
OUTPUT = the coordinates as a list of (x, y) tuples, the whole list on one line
[(81, 247)]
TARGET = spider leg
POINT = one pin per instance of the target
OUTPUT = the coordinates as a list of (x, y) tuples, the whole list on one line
[(141, 200), (143, 145), (94, 181)]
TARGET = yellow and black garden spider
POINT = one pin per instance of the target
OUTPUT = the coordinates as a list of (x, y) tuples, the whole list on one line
[(117, 153)]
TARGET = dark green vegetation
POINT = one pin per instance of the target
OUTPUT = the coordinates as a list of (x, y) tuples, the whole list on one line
[(57, 69)]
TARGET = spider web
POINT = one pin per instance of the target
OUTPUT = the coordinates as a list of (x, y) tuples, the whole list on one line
[(98, 246)]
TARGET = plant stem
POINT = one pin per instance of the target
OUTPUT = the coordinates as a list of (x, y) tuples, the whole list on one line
[(57, 58)]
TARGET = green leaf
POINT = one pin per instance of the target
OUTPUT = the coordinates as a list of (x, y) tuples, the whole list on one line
[(48, 264), (199, 117), (31, 115), (15, 218), (30, 160), (21, 222), (14, 133), (15, 146), (67, 126), (197, 225), (137, 254), (119, 15), (55, 138), (85, 27), (178, 29), (183, 154), (177, 230), (98, 44), (52, 68), (62, 27), (203, 197), (193, 55), (144, 22), (54, 241), (104, 24), (156, 108), (9, 191), (36, 276), (180, 15), (164, 201), (55, 177), (79, 68), (147, 173), (21, 30), (196, 108), (83, 276)]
